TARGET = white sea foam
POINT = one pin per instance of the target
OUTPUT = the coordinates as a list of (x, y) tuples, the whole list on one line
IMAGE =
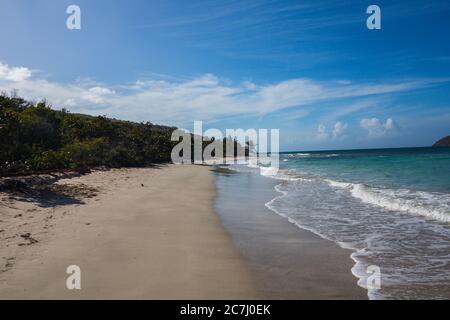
[(270, 205), (403, 231), (359, 268), (252, 163), (420, 245), (432, 205), (303, 154), (278, 174), (268, 171), (311, 155)]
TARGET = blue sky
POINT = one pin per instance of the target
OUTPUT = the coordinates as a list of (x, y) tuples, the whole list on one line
[(309, 68)]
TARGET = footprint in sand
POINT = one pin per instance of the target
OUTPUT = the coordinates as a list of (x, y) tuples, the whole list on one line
[(10, 262), (27, 236)]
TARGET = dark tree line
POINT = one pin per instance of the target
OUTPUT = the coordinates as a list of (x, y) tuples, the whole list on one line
[(34, 138)]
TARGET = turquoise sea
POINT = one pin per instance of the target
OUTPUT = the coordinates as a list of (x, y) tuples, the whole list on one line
[(390, 206)]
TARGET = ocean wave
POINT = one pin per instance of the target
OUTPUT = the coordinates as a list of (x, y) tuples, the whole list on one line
[(372, 235), (359, 267), (270, 205), (280, 174), (312, 155), (431, 205), (252, 163), (360, 217), (270, 172)]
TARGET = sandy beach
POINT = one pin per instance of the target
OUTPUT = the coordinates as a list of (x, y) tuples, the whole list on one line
[(161, 240), (153, 233)]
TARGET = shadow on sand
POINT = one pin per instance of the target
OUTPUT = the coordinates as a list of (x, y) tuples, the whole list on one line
[(44, 191)]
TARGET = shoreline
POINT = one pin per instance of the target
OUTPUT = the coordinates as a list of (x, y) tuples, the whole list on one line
[(145, 235), (289, 262), (353, 251)]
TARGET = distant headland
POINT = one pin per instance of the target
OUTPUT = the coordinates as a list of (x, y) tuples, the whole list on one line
[(444, 142)]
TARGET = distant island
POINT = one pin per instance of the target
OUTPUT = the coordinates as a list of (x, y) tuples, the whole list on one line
[(444, 142)]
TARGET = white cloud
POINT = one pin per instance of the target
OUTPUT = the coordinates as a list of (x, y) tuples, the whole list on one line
[(15, 74), (179, 102), (376, 128), (322, 132), (69, 103), (339, 129), (337, 132), (101, 91), (97, 94), (390, 124), (249, 85)]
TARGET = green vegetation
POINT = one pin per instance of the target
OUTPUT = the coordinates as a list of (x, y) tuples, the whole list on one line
[(36, 138)]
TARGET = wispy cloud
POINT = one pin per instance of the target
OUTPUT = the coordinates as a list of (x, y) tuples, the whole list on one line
[(206, 97)]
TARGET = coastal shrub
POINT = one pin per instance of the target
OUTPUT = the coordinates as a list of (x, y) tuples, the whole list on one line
[(50, 159), (88, 153), (35, 137)]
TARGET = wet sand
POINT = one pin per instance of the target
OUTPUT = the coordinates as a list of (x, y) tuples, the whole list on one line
[(287, 262)]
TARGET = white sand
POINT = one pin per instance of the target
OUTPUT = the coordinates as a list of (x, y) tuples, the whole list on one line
[(159, 241)]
